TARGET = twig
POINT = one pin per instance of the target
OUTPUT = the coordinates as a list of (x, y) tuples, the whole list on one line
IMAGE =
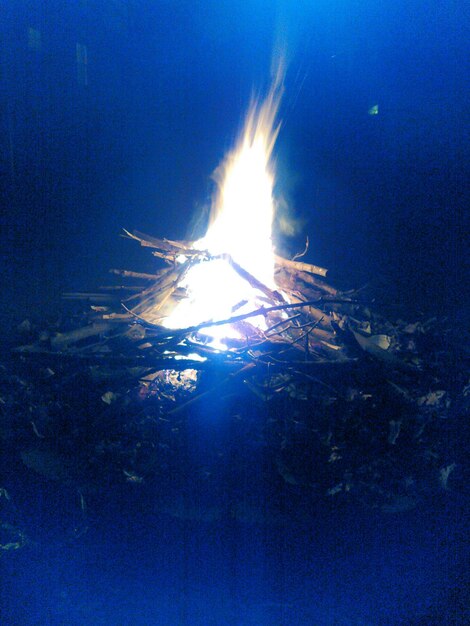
[(254, 282), (151, 362), (299, 255), (236, 318), (286, 321), (96, 297), (299, 266), (129, 274)]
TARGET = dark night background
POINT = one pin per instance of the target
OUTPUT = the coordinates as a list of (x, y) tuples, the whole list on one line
[(128, 139)]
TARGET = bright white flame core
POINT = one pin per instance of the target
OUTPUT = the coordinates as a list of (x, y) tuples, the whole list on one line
[(241, 227)]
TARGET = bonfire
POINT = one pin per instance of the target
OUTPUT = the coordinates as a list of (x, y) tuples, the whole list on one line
[(229, 295), (228, 298), (336, 391)]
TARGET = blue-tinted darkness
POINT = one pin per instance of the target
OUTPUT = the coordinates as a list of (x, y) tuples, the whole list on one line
[(382, 198), (168, 84)]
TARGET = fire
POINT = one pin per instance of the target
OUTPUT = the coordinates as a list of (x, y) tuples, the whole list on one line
[(241, 228)]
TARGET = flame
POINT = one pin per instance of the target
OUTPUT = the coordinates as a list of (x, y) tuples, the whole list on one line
[(241, 227)]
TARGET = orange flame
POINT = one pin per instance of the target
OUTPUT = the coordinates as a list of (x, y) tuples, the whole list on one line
[(241, 227)]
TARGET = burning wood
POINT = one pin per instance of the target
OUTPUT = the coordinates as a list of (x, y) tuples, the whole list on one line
[(296, 292), (226, 316), (304, 326), (227, 297)]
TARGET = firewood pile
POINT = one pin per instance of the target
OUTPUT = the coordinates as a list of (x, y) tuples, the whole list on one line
[(316, 338), (344, 402), (300, 314), (309, 324)]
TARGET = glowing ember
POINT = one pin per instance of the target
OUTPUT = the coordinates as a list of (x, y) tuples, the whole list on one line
[(241, 227)]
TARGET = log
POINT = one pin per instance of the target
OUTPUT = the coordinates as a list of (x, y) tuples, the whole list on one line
[(96, 297), (314, 282), (299, 266), (254, 282), (129, 274), (134, 288)]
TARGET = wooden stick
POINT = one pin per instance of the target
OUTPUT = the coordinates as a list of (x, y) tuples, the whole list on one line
[(236, 318), (165, 248), (96, 297), (299, 266), (323, 318), (134, 288), (129, 274), (254, 282), (158, 363), (310, 280), (157, 287), (162, 243), (166, 292)]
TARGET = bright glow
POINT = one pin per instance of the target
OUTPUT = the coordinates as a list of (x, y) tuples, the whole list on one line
[(193, 356), (241, 227)]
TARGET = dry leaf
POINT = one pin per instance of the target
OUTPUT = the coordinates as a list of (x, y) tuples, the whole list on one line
[(109, 397), (395, 427), (433, 398)]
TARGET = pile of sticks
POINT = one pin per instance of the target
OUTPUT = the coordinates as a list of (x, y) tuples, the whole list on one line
[(309, 324), (302, 315), (346, 402)]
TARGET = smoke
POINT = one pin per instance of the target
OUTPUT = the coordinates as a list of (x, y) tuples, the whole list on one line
[(286, 222)]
